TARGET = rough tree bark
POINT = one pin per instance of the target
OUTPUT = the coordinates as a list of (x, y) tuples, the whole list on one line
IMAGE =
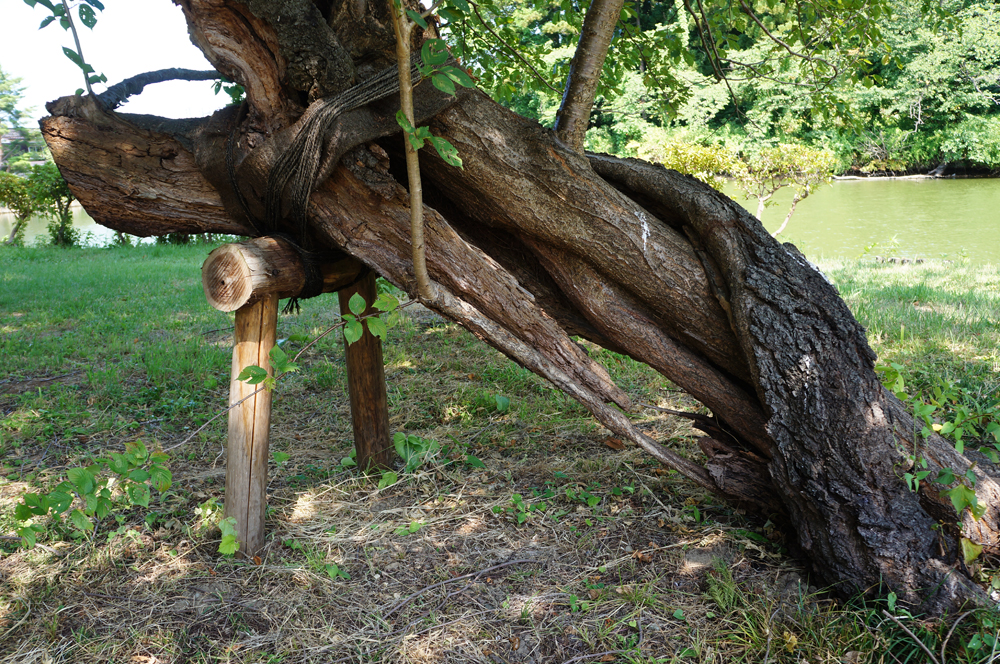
[(532, 243)]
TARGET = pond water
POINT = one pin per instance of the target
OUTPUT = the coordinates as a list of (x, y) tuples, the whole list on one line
[(926, 218), (906, 218), (37, 230)]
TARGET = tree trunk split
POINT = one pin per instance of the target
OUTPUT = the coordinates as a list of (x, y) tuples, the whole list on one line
[(532, 243)]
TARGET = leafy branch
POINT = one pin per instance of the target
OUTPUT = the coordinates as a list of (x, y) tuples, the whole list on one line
[(434, 53), (136, 472), (62, 13)]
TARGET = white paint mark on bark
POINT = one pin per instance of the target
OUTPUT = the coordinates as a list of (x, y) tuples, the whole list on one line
[(645, 229)]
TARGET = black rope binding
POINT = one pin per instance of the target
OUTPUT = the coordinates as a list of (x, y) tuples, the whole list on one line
[(297, 169), (312, 265)]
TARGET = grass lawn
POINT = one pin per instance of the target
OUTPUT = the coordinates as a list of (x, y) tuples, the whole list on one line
[(563, 548)]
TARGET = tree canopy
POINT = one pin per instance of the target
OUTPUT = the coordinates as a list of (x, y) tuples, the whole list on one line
[(914, 85)]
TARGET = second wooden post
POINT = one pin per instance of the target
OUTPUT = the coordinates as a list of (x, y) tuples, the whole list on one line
[(366, 384)]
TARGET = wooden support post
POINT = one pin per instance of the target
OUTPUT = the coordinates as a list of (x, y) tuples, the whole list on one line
[(366, 385), (249, 278), (246, 458)]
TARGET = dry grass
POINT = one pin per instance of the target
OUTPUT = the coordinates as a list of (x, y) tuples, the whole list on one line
[(624, 578)]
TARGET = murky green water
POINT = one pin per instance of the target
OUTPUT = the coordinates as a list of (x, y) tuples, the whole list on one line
[(905, 218), (38, 228)]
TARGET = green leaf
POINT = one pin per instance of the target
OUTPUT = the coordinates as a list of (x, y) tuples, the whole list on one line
[(27, 535), (891, 601), (399, 442), (280, 457), (377, 327), (386, 302), (404, 122), (443, 83), (417, 18), (87, 16), (474, 461), (963, 497), (138, 451), (458, 75), (118, 463), (23, 512), (970, 550), (138, 494), (357, 304), (503, 403), (96, 4), (461, 5), (993, 429), (103, 508), (160, 477), (415, 141), (334, 572), (447, 151), (80, 520), (82, 478), (388, 479), (90, 501), (138, 475), (434, 52), (353, 331), (679, 614), (449, 15), (279, 359), (945, 476), (348, 462), (252, 375), (77, 60), (228, 546), (46, 21), (59, 501)]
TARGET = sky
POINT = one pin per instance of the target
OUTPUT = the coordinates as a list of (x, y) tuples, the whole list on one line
[(131, 37)]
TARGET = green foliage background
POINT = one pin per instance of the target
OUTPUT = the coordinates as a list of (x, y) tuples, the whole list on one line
[(885, 85)]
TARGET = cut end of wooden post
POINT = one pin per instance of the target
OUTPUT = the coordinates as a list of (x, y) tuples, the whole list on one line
[(225, 276), (235, 275)]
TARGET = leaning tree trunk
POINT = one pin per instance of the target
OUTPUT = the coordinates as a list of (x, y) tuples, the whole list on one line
[(532, 243)]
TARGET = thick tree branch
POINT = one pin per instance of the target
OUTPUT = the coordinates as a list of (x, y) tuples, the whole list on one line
[(116, 95), (573, 117)]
